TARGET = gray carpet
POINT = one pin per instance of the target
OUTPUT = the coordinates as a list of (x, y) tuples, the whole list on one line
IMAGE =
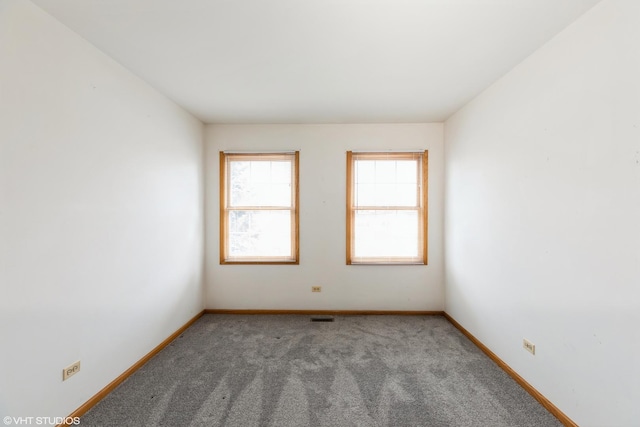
[(283, 370)]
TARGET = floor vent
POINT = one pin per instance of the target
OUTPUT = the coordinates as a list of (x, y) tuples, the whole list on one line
[(322, 319)]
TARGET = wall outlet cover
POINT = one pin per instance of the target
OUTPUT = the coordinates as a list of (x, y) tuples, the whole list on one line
[(529, 346), (70, 370)]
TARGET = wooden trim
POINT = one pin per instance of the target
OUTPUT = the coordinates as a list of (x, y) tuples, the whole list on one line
[(422, 207), (553, 409), (296, 262), (324, 312), (296, 201), (425, 205), (387, 261), (294, 209), (349, 204), (276, 155), (380, 155), (223, 210), (260, 208), (387, 208), (126, 374)]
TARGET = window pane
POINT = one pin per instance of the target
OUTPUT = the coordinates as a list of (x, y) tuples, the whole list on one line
[(259, 233), (365, 195), (386, 234), (407, 171), (281, 172), (365, 172), (260, 183), (406, 195), (386, 183), (260, 171), (386, 171), (239, 175), (385, 195)]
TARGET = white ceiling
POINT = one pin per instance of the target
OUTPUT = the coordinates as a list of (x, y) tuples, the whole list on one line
[(318, 61)]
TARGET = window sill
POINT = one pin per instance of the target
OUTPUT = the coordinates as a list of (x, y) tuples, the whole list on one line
[(254, 262)]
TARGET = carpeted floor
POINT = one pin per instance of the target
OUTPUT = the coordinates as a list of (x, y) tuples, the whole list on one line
[(283, 370)]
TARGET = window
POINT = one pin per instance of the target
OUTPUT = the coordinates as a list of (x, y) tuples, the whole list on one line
[(387, 208), (259, 208)]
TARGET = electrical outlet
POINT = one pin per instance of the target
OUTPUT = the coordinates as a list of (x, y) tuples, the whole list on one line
[(70, 370), (529, 346), (316, 289)]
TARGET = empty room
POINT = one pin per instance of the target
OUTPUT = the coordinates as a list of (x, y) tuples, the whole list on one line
[(320, 213)]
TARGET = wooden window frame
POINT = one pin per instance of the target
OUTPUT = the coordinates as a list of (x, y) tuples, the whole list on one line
[(422, 158), (225, 209)]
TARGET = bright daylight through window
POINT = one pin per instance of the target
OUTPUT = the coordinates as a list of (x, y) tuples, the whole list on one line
[(259, 208), (387, 208)]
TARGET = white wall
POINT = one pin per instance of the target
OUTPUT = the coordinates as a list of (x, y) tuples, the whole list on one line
[(100, 215), (322, 224), (542, 230)]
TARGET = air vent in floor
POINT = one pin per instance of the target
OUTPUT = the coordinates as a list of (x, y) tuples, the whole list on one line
[(322, 319)]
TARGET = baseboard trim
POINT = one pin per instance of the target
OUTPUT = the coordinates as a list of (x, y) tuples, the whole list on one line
[(325, 312), (553, 409), (115, 383)]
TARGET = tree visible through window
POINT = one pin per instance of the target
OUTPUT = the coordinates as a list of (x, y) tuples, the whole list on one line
[(259, 208), (387, 208)]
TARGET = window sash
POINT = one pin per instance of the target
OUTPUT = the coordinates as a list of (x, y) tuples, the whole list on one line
[(225, 209), (420, 207), (370, 167)]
